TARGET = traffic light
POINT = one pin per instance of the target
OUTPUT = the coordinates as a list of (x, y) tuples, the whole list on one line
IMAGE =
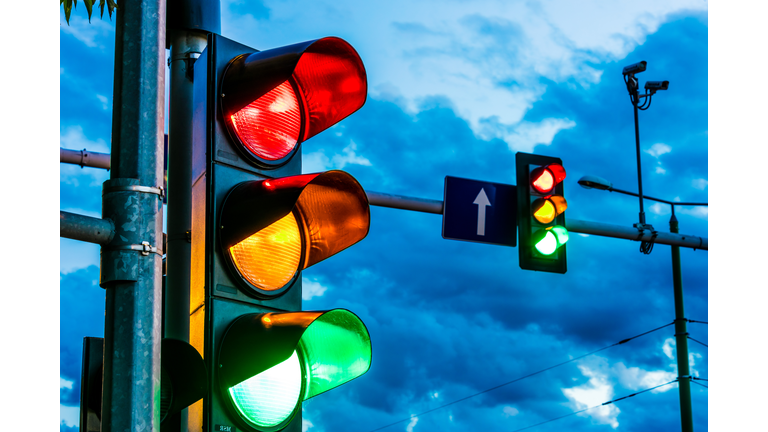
[(541, 205), (257, 222)]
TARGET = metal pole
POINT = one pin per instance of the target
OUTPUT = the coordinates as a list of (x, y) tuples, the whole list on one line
[(186, 46), (635, 101), (85, 228), (131, 264), (84, 158), (681, 336)]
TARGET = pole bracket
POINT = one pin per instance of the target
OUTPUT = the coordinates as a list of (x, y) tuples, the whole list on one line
[(135, 188), (144, 248)]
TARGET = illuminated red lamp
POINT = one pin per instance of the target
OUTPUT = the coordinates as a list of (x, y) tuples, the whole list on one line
[(272, 101), (545, 178)]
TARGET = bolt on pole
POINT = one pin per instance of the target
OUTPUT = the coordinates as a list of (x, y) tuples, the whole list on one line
[(131, 264)]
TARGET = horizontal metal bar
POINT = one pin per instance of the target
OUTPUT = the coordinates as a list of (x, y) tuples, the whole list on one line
[(573, 225), (86, 228), (85, 158), (631, 233), (672, 203), (405, 203)]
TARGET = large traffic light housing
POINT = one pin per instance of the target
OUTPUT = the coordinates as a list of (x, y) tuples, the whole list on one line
[(258, 222), (540, 213)]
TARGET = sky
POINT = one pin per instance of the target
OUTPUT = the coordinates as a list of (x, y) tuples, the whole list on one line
[(456, 89)]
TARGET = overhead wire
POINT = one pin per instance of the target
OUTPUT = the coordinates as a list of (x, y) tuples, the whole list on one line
[(596, 406), (698, 341), (706, 387), (623, 341)]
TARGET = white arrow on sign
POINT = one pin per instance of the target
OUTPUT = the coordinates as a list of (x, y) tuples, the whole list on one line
[(481, 201)]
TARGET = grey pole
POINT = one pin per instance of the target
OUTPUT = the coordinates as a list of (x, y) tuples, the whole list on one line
[(131, 264), (86, 228), (186, 46), (681, 336)]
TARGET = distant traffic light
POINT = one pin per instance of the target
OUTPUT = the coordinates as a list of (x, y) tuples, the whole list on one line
[(258, 222), (541, 205)]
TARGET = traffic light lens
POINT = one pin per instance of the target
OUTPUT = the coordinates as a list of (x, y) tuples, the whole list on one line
[(269, 127), (547, 245), (542, 180), (270, 258), (544, 211), (333, 82), (337, 349), (270, 397)]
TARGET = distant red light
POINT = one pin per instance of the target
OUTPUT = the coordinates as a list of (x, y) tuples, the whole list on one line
[(544, 179)]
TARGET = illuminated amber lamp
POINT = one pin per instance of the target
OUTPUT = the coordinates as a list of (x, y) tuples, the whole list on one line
[(274, 100), (272, 229)]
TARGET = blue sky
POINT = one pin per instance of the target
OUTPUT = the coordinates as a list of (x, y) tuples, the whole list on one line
[(456, 89)]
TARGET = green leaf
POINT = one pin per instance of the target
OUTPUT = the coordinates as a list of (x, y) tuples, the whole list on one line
[(89, 8), (67, 9), (112, 6)]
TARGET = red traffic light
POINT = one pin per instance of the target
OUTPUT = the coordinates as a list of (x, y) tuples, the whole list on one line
[(545, 178), (274, 100)]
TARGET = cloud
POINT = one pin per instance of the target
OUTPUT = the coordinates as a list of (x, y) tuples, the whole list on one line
[(90, 34), (636, 378), (70, 415), (311, 288), (412, 424), (592, 394), (526, 135), (658, 149), (510, 411), (700, 183)]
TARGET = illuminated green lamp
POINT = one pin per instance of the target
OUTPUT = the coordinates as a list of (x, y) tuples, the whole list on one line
[(271, 362), (547, 241)]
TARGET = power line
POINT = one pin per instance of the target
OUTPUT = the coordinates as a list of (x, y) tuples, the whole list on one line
[(522, 377), (700, 322), (602, 404), (698, 341), (695, 382)]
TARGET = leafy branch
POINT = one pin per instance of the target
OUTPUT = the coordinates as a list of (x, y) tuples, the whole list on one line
[(68, 4)]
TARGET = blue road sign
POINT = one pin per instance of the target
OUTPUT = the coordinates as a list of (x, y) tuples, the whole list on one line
[(480, 211)]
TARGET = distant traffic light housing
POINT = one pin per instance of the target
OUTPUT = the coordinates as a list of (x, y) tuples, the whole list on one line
[(541, 205), (272, 229), (274, 100), (270, 362)]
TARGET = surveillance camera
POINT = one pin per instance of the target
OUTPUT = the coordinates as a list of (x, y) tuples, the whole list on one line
[(656, 85), (635, 68)]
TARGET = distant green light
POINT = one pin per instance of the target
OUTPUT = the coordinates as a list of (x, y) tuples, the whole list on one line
[(547, 241), (547, 245), (270, 397)]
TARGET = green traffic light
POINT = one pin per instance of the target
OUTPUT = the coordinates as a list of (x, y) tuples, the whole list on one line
[(269, 398), (324, 349), (548, 240)]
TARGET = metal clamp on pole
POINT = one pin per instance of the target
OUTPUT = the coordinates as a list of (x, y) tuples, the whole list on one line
[(136, 188), (144, 248), (126, 201)]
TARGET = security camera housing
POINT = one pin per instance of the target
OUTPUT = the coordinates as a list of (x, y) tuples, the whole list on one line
[(657, 85), (635, 68)]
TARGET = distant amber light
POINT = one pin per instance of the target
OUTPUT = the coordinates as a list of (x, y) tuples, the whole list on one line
[(270, 258)]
